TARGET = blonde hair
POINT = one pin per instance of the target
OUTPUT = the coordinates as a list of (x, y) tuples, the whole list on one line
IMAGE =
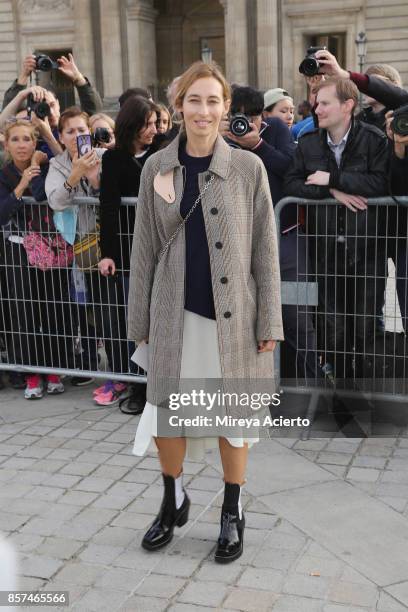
[(345, 89), (386, 71), (163, 109), (102, 116), (199, 70), (10, 125)]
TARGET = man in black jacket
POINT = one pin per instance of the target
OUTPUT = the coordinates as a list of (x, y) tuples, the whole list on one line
[(345, 159), (272, 142), (387, 92)]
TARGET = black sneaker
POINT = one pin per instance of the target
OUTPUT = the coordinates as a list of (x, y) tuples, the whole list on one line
[(81, 381), (17, 380), (134, 403)]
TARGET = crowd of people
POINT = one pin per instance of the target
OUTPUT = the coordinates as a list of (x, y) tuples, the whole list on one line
[(56, 310), (193, 271)]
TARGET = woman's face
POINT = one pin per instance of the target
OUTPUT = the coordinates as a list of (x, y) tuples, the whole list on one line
[(285, 110), (20, 144), (148, 132), (73, 127), (102, 123), (203, 107), (163, 123)]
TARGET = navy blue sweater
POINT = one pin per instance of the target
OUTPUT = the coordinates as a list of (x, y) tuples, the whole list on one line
[(9, 179), (198, 287)]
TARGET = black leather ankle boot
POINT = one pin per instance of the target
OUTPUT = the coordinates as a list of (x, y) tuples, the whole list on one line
[(230, 543), (160, 532)]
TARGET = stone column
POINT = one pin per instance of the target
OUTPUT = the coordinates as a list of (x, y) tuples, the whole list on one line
[(111, 48), (141, 17), (267, 51), (236, 40), (83, 38)]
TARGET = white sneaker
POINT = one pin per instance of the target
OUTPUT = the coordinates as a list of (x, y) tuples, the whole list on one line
[(54, 388), (34, 388)]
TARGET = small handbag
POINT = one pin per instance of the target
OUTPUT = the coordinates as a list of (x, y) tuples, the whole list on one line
[(44, 246), (142, 352), (87, 252)]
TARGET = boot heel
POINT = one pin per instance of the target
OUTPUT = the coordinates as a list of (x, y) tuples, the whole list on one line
[(182, 520)]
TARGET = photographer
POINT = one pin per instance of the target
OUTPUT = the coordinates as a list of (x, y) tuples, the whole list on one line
[(272, 142), (385, 92), (46, 124), (89, 99), (348, 160), (102, 130)]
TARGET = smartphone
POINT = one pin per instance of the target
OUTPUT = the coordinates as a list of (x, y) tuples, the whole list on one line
[(84, 144)]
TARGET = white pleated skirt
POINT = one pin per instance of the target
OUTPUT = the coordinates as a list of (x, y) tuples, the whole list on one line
[(200, 360)]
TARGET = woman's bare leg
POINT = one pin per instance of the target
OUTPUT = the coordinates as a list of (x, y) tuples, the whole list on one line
[(234, 461), (171, 454)]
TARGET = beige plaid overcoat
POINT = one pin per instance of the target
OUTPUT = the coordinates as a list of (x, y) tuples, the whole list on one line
[(238, 213)]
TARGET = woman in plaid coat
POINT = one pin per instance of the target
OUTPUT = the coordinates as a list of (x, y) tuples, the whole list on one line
[(208, 304)]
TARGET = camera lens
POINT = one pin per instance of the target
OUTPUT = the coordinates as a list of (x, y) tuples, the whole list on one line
[(44, 63), (399, 124), (309, 66), (239, 125), (102, 135), (42, 110)]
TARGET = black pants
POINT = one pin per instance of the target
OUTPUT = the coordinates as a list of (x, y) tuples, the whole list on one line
[(107, 297), (300, 336), (351, 277), (41, 330)]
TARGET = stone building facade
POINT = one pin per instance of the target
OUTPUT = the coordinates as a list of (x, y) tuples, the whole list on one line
[(120, 43)]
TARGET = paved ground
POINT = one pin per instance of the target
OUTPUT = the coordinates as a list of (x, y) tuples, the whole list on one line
[(327, 519)]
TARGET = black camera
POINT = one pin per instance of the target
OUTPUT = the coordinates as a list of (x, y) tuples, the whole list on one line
[(44, 63), (41, 108), (399, 123), (310, 65), (102, 136), (239, 125)]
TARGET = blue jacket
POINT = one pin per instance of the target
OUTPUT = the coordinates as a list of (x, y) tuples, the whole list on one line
[(276, 151)]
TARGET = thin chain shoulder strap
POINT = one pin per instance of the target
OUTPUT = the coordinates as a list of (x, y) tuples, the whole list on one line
[(186, 218)]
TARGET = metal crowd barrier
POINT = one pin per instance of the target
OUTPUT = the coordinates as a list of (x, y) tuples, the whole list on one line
[(345, 300), (334, 277), (64, 320)]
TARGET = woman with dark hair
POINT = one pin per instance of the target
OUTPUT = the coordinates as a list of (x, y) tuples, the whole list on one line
[(135, 130)]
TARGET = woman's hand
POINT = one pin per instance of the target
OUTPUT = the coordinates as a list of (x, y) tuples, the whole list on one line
[(39, 158), (28, 174), (93, 171), (266, 346), (107, 267), (85, 166)]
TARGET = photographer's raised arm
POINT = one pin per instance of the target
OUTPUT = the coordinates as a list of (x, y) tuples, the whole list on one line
[(21, 82), (89, 99), (385, 92)]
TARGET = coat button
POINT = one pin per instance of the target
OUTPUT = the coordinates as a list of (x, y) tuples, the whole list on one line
[(224, 280), (227, 314), (214, 211), (218, 245), (208, 177)]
